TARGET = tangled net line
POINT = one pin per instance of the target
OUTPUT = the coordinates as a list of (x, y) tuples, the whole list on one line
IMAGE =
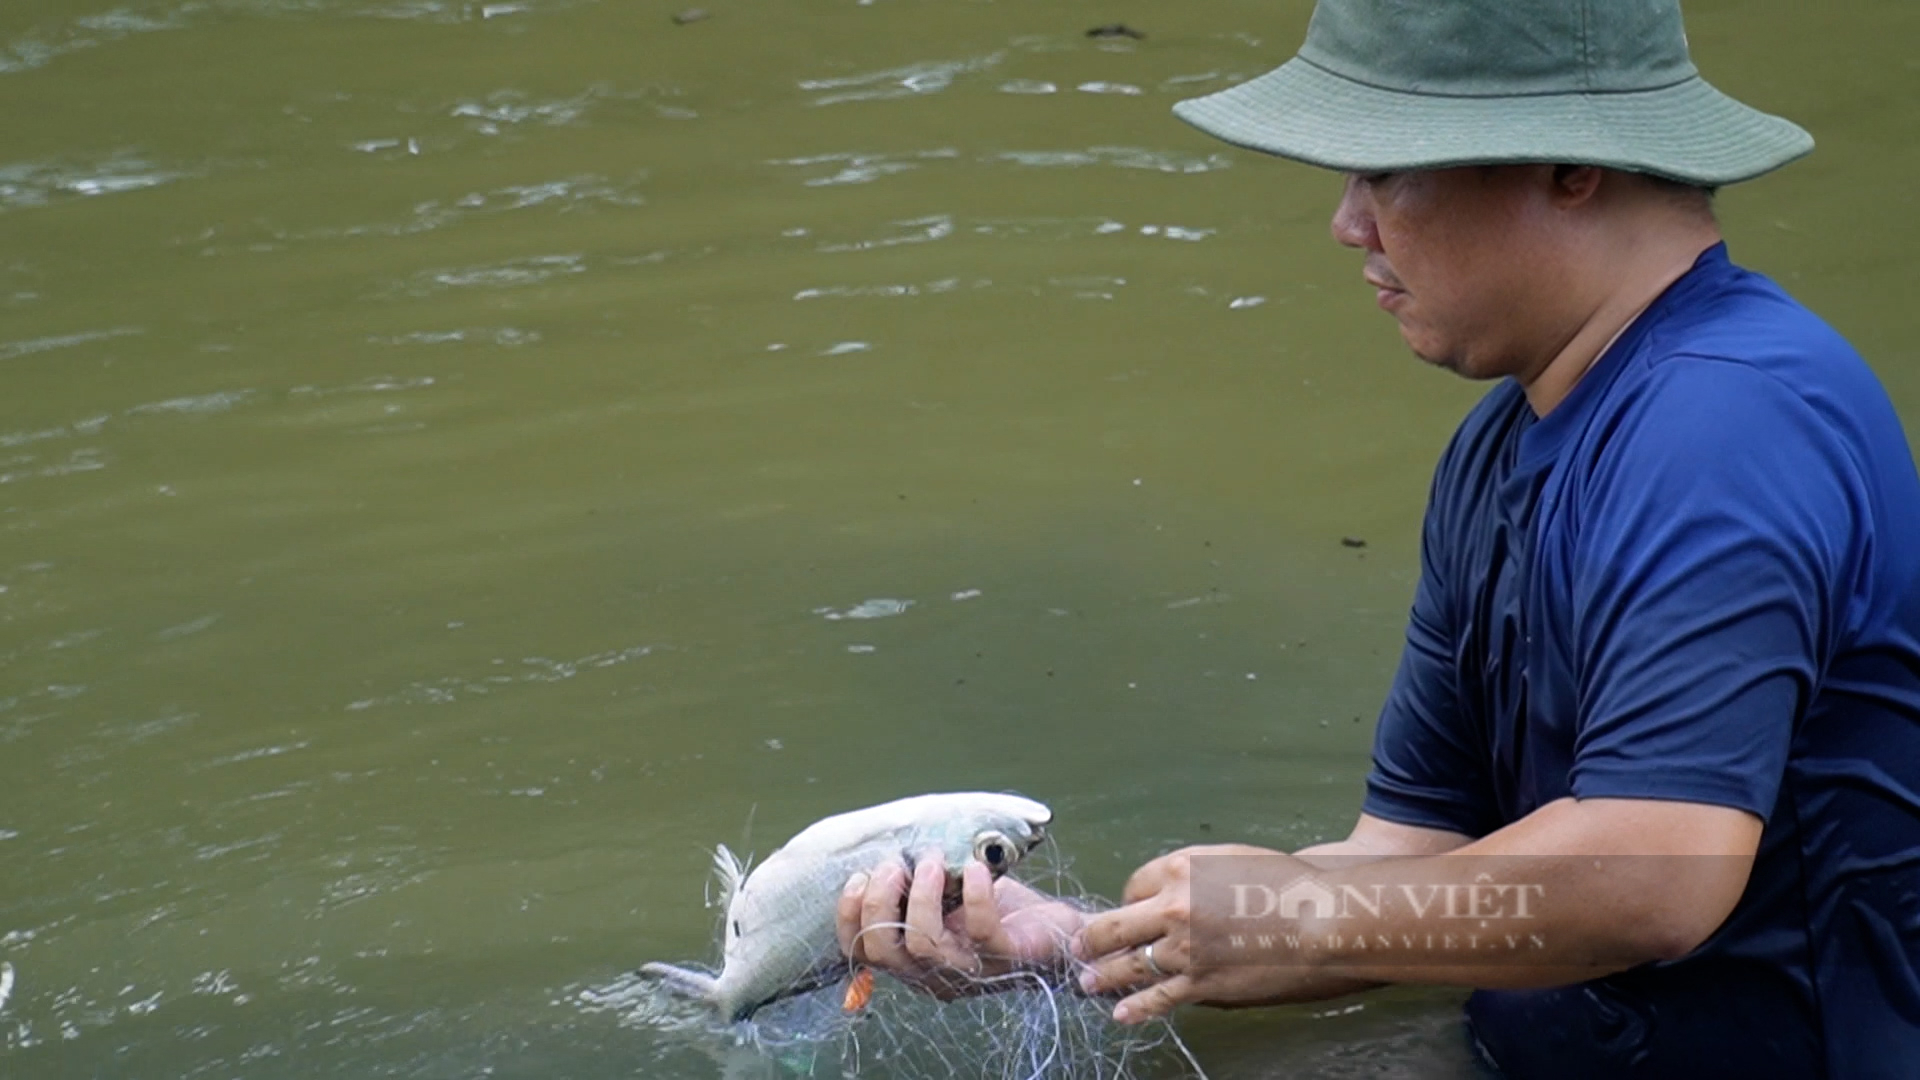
[(1024, 1026)]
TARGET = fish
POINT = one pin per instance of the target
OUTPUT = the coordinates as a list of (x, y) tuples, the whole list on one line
[(779, 933)]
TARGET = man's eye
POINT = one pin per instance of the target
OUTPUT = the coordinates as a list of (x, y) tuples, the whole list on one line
[(1376, 179)]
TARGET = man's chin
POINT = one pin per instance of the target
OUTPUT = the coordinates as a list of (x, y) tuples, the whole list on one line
[(1427, 353), (1445, 360)]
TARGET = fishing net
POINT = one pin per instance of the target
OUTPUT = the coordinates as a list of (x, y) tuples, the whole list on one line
[(1029, 1027)]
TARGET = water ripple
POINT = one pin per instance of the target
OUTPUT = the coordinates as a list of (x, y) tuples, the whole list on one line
[(440, 11), (195, 405), (1089, 286), (572, 194), (87, 32), (1176, 232), (508, 275), (532, 669), (508, 108), (918, 231), (63, 341), (257, 753), (49, 43), (377, 384), (855, 168), (34, 183), (85, 459), (931, 288), (188, 628), (1186, 84), (1120, 157), (16, 727), (508, 336), (27, 465), (863, 168), (883, 607), (926, 77)]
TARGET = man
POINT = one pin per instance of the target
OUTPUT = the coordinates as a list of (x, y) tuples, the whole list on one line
[(1648, 777)]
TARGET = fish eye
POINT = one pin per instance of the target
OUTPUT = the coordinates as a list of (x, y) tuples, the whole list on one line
[(996, 851)]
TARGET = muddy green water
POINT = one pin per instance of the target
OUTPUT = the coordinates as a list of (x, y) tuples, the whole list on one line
[(444, 448)]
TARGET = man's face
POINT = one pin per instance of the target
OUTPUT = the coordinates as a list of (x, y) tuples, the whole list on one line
[(1462, 259)]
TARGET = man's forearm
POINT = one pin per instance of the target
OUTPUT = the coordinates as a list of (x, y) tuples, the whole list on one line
[(1463, 919), (1374, 839), (1530, 906), (1337, 855)]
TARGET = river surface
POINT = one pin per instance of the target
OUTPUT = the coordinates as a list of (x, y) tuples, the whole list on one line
[(461, 460)]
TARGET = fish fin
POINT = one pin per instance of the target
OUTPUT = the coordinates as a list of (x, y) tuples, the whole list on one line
[(731, 871), (693, 984), (859, 991)]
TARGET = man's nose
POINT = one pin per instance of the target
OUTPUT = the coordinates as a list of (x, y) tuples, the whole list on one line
[(1353, 224)]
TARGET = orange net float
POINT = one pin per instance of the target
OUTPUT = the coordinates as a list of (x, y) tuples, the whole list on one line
[(859, 991)]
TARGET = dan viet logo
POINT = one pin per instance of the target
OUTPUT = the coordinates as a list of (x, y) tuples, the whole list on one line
[(1483, 915), (1308, 897)]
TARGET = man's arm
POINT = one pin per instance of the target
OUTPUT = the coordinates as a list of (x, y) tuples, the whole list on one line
[(1573, 891), (1576, 890), (1374, 839)]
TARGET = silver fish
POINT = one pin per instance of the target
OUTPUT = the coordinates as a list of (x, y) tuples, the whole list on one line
[(779, 931)]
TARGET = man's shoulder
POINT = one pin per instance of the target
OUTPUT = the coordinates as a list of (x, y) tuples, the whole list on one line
[(1744, 317), (1742, 352)]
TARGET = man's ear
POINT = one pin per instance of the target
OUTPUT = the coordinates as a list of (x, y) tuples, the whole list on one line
[(1575, 184)]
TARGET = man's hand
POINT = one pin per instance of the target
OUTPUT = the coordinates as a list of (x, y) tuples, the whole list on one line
[(1158, 911), (892, 920), (1159, 899)]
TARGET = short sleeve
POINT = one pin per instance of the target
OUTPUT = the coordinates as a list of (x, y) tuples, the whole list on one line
[(1709, 571), (1430, 767)]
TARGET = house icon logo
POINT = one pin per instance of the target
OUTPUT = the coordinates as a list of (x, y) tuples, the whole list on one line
[(1308, 898)]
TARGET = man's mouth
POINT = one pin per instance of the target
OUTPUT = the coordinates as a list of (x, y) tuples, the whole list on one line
[(1385, 282), (1387, 290)]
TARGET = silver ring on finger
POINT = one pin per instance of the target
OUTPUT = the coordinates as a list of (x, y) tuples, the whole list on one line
[(1146, 955)]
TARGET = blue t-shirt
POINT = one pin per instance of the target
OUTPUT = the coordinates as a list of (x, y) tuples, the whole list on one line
[(1697, 579)]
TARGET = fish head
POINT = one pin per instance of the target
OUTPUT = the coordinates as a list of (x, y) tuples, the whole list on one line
[(1000, 830)]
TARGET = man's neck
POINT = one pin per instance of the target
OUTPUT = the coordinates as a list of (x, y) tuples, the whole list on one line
[(1631, 287)]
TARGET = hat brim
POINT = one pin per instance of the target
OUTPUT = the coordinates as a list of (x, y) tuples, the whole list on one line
[(1688, 131)]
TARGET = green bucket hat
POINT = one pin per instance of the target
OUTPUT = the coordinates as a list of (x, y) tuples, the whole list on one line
[(1391, 85)]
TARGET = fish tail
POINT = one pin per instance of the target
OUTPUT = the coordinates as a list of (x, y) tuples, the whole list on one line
[(693, 984)]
